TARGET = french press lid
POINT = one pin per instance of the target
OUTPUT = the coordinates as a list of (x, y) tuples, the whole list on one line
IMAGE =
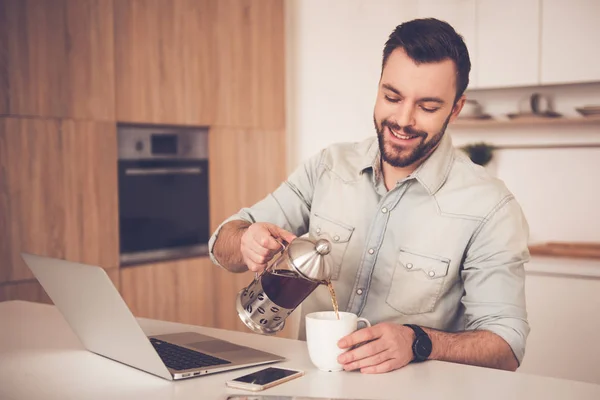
[(311, 259)]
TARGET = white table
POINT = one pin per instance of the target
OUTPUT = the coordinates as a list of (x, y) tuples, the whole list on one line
[(41, 358)]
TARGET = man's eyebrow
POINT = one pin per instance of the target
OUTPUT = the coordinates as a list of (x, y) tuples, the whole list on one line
[(421, 100), (431, 100), (391, 89)]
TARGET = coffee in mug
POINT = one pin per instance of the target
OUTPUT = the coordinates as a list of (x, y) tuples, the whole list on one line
[(323, 331)]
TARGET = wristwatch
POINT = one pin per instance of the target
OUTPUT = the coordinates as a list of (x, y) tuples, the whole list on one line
[(421, 346)]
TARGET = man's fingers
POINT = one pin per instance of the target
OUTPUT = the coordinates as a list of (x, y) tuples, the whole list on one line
[(371, 361), (365, 351), (281, 233), (385, 366), (267, 241), (255, 262), (361, 335)]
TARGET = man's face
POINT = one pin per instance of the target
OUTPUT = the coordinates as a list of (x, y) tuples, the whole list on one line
[(414, 105)]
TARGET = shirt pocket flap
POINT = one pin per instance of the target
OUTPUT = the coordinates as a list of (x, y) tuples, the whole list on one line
[(433, 268), (337, 231)]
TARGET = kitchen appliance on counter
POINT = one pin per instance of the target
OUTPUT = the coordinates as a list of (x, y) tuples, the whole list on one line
[(163, 193)]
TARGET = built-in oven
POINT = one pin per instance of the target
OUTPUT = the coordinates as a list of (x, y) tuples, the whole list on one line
[(163, 193)]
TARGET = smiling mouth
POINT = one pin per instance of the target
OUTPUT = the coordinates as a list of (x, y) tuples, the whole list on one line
[(401, 136)]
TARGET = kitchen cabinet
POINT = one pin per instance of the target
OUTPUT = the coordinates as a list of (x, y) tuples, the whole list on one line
[(180, 290), (31, 290), (562, 308), (461, 14), (58, 198), (190, 291), (569, 40), (508, 37), (250, 56), (57, 58), (245, 166), (164, 62)]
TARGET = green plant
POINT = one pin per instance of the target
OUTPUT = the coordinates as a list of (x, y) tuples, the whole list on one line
[(479, 153)]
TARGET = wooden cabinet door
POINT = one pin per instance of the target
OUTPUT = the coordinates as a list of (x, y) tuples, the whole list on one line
[(461, 15), (163, 61), (58, 196), (245, 166), (570, 32), (250, 54), (31, 290), (180, 291), (57, 58)]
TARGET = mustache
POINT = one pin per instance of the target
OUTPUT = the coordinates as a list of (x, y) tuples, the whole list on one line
[(408, 130)]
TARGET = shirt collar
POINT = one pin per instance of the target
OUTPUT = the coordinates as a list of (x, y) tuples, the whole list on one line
[(432, 173)]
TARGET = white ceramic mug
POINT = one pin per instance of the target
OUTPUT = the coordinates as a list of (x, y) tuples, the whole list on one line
[(323, 331)]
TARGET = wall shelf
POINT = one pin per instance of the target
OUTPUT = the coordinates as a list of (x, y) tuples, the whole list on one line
[(523, 121)]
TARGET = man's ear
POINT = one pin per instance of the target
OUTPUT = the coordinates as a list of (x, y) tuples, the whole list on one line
[(458, 107)]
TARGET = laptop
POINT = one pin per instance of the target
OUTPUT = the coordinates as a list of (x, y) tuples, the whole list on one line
[(98, 315)]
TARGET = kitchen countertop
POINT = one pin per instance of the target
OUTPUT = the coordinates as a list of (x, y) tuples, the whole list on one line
[(566, 266), (41, 358)]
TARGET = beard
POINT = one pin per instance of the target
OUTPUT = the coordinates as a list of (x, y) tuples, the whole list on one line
[(402, 156)]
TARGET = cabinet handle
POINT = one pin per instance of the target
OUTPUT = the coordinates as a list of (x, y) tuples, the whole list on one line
[(164, 171)]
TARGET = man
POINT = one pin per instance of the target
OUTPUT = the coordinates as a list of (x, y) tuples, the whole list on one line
[(420, 235)]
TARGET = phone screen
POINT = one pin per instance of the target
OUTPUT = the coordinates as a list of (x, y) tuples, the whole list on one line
[(265, 376)]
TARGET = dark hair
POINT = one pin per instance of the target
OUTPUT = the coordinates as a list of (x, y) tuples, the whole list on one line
[(431, 40)]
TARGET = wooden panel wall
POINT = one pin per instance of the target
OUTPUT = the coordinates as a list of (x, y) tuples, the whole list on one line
[(181, 291), (58, 196), (57, 58), (164, 65), (31, 290), (250, 54)]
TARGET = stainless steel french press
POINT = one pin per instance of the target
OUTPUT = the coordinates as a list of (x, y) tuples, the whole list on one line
[(271, 297)]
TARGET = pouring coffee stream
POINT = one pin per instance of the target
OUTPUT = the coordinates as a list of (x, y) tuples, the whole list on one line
[(272, 296)]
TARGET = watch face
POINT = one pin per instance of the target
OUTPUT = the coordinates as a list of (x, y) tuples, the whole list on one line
[(423, 347)]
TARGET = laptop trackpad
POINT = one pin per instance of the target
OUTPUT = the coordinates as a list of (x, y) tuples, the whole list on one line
[(215, 346)]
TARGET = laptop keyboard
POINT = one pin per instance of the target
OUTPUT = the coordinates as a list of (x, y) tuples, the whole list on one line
[(180, 358)]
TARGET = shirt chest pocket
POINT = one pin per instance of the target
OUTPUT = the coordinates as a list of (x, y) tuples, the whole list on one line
[(417, 283), (338, 234)]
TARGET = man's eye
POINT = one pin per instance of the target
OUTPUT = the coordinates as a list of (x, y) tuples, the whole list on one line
[(429, 110), (391, 100)]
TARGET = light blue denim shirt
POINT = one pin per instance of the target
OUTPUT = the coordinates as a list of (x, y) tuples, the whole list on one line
[(444, 248)]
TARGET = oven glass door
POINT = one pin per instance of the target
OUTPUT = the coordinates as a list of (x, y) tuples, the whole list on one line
[(163, 209)]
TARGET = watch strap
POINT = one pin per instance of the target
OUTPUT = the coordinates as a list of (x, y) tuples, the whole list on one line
[(419, 333)]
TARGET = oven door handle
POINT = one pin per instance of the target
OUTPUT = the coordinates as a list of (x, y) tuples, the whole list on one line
[(164, 171)]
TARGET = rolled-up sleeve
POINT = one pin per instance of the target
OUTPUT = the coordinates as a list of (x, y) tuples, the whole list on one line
[(494, 276), (287, 207)]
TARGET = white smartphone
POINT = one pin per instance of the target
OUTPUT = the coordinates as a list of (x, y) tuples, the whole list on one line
[(264, 379)]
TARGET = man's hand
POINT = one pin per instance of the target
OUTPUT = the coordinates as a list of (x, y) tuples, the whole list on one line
[(261, 242), (389, 347)]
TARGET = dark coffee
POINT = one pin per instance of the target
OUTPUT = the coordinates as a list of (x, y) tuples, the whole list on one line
[(333, 299), (286, 289)]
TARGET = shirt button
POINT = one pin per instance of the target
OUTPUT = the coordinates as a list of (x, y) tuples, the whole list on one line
[(336, 238), (432, 273), (318, 230), (384, 210), (409, 265), (359, 292), (371, 251)]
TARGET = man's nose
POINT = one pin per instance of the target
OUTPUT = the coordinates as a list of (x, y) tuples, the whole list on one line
[(406, 115)]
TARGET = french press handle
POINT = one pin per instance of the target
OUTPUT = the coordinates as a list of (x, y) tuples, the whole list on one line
[(283, 247)]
